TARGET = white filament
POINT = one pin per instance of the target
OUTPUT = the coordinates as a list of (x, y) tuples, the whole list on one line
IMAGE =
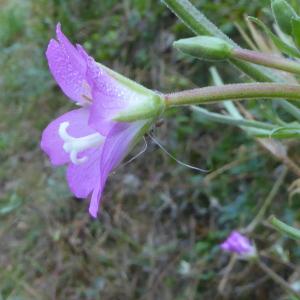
[(74, 145), (173, 157), (137, 155)]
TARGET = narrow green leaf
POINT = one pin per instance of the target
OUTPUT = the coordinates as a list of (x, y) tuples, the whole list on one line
[(296, 31), (227, 119), (281, 45), (286, 132), (200, 25), (283, 14), (8, 206), (284, 228)]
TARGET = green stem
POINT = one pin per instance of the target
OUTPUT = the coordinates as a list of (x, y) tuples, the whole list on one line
[(232, 110), (230, 107), (291, 109), (215, 117), (262, 211), (240, 91), (278, 279), (267, 60), (200, 25), (284, 228)]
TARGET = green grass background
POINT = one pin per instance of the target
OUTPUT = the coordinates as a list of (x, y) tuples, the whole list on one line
[(161, 223)]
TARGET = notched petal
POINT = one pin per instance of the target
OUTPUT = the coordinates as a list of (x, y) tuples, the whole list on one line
[(52, 143), (68, 67), (83, 178)]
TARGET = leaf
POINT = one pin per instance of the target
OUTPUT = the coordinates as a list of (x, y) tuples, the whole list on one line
[(281, 45), (294, 188), (296, 31), (286, 132), (284, 228), (13, 203), (283, 14)]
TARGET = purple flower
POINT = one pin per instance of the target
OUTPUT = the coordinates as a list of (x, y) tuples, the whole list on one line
[(91, 140), (239, 244)]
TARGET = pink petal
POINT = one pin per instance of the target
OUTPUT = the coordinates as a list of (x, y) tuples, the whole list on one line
[(68, 67), (51, 142), (95, 200), (109, 97), (116, 146), (85, 177), (238, 243)]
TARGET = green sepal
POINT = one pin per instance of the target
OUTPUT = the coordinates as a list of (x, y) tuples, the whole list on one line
[(128, 82), (149, 108), (151, 104)]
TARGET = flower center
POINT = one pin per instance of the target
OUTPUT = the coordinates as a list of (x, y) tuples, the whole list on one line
[(75, 145)]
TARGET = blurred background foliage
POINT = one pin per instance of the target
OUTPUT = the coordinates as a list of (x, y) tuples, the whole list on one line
[(161, 223)]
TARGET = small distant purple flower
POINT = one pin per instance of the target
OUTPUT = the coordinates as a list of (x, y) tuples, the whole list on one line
[(89, 139), (239, 244)]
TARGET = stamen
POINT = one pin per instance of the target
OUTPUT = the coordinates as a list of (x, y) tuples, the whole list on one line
[(173, 157), (87, 95), (88, 99), (74, 145), (75, 160)]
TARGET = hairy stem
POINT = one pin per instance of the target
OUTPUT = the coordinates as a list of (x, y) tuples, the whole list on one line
[(200, 25), (240, 91), (267, 60)]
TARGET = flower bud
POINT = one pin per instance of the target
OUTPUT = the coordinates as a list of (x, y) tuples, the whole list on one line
[(283, 14), (205, 47)]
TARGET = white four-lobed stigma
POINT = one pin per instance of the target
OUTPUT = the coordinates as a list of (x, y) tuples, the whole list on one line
[(75, 145)]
